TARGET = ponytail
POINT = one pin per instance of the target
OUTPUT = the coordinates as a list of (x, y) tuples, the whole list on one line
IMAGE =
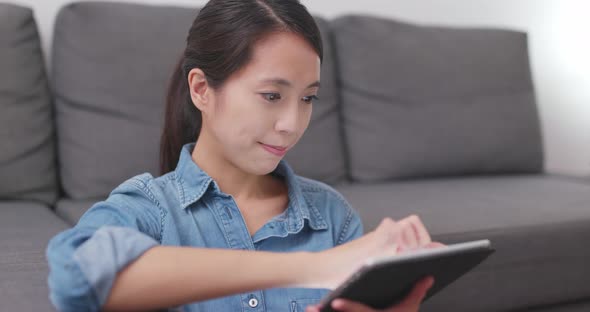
[(182, 121)]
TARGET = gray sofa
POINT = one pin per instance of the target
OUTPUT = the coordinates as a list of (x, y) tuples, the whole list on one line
[(436, 121)]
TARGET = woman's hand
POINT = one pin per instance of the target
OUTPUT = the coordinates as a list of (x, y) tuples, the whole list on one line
[(389, 238), (410, 304)]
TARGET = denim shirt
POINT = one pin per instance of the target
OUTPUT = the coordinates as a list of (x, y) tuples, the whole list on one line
[(186, 208)]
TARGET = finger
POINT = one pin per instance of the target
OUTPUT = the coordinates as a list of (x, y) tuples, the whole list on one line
[(391, 233), (389, 251), (347, 305), (415, 297), (403, 233), (408, 234), (435, 245), (420, 230), (393, 250), (387, 222)]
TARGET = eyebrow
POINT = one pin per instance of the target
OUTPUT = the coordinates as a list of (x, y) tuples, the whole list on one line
[(287, 83)]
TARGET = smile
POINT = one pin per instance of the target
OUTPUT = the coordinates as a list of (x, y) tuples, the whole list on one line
[(275, 150)]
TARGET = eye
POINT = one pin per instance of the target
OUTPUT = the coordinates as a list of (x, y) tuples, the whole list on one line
[(271, 97), (310, 99)]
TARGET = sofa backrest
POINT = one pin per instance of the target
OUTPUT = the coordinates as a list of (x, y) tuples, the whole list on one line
[(27, 152), (424, 101), (398, 100), (111, 66)]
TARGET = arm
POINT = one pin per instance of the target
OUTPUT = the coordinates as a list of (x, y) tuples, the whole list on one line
[(197, 274), (112, 259)]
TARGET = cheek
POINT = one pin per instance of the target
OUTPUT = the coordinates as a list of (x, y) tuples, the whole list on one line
[(305, 119), (242, 125)]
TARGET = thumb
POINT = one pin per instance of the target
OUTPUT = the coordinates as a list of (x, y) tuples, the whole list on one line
[(415, 297), (351, 306)]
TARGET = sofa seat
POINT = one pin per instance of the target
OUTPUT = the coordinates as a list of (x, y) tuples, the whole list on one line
[(25, 230), (538, 224)]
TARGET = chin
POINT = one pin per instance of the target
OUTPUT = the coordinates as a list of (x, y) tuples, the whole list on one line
[(263, 167)]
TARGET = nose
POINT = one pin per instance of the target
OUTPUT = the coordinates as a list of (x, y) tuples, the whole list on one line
[(288, 119)]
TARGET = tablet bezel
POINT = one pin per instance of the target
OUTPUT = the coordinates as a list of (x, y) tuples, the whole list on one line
[(480, 247)]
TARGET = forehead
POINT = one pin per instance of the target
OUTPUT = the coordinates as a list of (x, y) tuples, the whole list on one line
[(286, 55)]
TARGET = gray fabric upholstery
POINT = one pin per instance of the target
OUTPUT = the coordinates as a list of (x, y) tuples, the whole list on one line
[(320, 153), (537, 224), (27, 156), (71, 210), (111, 65), (113, 117), (431, 101), (582, 306), (25, 229)]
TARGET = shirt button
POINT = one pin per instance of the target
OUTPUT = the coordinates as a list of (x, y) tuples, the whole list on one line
[(253, 303)]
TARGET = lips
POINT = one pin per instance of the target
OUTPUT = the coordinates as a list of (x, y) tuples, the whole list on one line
[(276, 150)]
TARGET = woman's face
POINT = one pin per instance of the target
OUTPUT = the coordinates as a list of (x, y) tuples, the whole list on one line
[(263, 109)]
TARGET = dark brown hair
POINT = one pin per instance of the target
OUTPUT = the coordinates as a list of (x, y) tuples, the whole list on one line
[(219, 43)]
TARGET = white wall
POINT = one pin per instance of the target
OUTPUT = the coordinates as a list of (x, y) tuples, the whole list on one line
[(559, 40)]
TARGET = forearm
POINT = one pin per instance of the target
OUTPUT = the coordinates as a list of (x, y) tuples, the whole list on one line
[(167, 276)]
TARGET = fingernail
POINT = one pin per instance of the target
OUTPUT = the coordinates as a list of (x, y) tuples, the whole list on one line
[(430, 282)]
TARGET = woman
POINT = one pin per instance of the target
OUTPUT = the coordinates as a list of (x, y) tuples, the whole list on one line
[(228, 226)]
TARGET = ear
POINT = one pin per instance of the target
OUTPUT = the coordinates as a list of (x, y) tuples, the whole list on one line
[(199, 89)]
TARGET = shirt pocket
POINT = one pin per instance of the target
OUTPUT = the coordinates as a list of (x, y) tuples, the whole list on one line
[(299, 305)]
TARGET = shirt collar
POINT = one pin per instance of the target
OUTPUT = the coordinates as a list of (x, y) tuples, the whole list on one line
[(192, 183)]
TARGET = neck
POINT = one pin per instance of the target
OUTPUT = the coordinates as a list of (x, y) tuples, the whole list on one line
[(241, 185)]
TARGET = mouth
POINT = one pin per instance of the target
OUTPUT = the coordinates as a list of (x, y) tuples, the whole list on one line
[(275, 150)]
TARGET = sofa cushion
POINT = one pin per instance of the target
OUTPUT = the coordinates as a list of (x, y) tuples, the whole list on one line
[(27, 157), (423, 101), (25, 229), (537, 224), (70, 210), (112, 62), (320, 153)]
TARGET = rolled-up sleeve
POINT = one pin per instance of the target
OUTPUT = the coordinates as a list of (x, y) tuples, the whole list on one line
[(85, 259)]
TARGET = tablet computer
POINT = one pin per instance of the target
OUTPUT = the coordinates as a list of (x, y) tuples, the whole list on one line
[(383, 282)]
